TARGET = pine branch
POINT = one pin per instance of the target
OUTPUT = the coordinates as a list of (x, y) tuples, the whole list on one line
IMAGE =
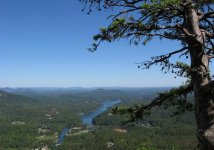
[(207, 15), (169, 98), (159, 59), (210, 57)]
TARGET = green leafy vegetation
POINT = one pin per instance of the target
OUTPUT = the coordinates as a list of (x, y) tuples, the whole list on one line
[(30, 123)]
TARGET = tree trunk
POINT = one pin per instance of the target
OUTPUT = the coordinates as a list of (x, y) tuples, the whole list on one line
[(203, 91), (204, 106)]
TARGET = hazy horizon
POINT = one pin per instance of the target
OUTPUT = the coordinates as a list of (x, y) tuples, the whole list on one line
[(96, 87)]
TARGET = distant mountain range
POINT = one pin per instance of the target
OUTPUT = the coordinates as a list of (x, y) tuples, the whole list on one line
[(79, 89), (43, 89), (20, 96)]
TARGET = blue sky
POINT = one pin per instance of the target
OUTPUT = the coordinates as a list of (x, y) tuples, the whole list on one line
[(43, 43)]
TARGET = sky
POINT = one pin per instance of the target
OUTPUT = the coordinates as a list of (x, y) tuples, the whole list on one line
[(43, 43)]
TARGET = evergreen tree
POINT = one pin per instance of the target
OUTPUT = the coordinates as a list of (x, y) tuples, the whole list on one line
[(188, 21)]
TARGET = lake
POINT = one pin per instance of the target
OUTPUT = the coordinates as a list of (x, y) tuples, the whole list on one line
[(88, 119), (62, 135)]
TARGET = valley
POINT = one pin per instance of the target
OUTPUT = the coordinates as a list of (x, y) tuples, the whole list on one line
[(35, 119)]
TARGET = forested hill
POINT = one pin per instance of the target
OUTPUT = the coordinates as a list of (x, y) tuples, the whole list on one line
[(11, 99)]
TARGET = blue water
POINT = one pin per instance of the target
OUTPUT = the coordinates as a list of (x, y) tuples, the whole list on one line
[(88, 119), (62, 136)]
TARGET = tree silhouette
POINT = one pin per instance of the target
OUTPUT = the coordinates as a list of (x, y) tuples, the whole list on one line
[(188, 21)]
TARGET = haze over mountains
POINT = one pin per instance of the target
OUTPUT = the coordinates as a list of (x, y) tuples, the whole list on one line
[(31, 118), (81, 89)]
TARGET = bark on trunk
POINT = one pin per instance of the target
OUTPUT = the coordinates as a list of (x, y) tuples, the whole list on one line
[(203, 91), (204, 106)]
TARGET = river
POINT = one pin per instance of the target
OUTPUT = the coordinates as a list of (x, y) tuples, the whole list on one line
[(88, 118)]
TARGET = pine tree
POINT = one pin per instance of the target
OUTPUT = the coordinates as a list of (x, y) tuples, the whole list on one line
[(188, 21)]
